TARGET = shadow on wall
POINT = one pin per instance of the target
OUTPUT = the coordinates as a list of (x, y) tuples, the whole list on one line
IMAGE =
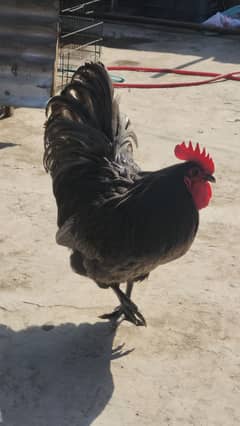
[(61, 377)]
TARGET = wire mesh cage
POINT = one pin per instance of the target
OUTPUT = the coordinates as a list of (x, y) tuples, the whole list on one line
[(80, 39)]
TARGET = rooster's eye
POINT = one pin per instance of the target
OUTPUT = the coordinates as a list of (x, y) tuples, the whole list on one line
[(195, 172)]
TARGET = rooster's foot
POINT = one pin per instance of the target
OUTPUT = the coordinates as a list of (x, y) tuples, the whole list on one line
[(128, 312)]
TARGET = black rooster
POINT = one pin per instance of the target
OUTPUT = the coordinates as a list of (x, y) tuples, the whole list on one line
[(119, 222)]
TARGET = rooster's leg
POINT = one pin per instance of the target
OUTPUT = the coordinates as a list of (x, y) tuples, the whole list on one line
[(129, 289), (127, 310)]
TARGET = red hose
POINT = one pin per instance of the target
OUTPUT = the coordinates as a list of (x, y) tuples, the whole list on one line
[(213, 77)]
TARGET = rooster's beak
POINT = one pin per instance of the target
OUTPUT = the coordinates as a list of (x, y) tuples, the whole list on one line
[(210, 178)]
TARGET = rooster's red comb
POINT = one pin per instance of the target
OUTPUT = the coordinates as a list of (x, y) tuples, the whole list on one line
[(188, 153)]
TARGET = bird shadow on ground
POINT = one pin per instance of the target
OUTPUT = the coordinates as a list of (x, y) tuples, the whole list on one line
[(61, 377)]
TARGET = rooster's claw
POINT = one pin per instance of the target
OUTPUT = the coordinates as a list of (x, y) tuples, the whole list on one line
[(127, 313)]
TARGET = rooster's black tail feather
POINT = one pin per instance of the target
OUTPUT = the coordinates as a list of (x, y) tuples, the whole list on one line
[(84, 124)]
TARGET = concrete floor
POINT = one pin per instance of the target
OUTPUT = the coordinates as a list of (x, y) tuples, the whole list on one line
[(184, 368)]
